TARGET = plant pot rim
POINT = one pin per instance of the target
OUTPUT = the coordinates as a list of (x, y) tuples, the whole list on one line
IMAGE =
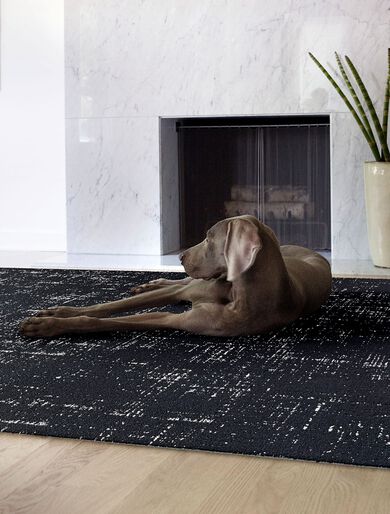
[(376, 162)]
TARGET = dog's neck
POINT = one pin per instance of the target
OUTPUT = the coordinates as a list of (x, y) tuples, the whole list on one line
[(270, 274)]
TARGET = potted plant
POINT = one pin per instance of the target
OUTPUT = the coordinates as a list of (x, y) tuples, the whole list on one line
[(377, 172)]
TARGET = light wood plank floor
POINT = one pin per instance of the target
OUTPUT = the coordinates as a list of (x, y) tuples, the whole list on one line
[(45, 475)]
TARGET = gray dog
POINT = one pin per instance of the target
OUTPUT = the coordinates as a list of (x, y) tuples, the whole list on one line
[(241, 281)]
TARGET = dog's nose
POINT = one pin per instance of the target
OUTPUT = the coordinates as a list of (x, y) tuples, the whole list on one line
[(181, 257)]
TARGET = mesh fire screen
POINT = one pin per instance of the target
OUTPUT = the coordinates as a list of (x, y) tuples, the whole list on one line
[(275, 168)]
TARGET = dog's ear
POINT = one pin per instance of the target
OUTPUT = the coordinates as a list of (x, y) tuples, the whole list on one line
[(241, 247)]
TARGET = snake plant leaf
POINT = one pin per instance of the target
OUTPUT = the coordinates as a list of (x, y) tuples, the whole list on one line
[(371, 109), (357, 101), (350, 107), (387, 98)]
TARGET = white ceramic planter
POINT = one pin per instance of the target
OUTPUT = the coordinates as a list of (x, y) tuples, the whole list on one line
[(377, 193)]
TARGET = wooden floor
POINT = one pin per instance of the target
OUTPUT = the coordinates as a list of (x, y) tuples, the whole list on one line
[(46, 475)]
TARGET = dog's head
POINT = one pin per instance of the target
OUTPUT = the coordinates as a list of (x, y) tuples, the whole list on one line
[(229, 249)]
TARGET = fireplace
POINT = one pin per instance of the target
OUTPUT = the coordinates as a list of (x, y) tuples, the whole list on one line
[(276, 168)]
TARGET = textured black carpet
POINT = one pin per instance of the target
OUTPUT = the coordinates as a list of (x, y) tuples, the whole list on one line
[(318, 389)]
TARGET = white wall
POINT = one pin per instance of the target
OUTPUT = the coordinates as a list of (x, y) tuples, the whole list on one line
[(32, 133)]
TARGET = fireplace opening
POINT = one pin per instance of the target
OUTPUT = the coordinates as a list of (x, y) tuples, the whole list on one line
[(276, 168)]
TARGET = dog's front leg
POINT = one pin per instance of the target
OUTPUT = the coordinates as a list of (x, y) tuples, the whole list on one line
[(199, 320), (156, 298), (52, 326)]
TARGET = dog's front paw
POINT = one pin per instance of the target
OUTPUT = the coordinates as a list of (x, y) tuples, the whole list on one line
[(150, 286), (41, 327)]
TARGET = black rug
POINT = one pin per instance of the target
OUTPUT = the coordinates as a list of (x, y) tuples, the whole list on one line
[(318, 389)]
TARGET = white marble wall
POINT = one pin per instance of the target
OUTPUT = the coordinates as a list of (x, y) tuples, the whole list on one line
[(129, 62), (112, 191)]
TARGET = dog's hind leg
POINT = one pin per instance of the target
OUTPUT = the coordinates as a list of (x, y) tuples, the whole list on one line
[(158, 284)]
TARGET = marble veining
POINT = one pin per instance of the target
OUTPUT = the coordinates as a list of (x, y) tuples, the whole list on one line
[(113, 185), (129, 62), (215, 57)]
